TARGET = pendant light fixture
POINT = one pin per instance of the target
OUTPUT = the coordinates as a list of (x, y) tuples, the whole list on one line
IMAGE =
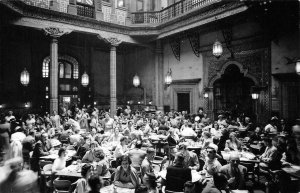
[(24, 77), (168, 77), (85, 77), (136, 79), (217, 49)]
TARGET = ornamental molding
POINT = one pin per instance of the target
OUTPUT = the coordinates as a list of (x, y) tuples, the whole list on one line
[(113, 41), (56, 32)]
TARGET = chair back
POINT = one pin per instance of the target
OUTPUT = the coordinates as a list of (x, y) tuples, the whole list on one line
[(42, 163), (47, 167), (61, 186)]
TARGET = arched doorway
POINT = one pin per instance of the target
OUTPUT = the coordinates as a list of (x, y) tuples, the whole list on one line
[(232, 93)]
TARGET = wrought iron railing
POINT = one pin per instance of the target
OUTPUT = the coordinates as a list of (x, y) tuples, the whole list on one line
[(85, 10), (170, 12)]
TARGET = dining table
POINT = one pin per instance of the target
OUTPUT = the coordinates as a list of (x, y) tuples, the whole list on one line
[(54, 154), (292, 170), (245, 156), (112, 189)]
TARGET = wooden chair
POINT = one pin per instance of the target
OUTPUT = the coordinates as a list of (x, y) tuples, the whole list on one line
[(160, 161), (61, 186)]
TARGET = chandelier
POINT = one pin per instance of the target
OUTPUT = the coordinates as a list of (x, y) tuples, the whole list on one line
[(217, 49), (136, 81), (168, 78), (85, 79)]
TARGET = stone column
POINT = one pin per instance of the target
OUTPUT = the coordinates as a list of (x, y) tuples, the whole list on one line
[(114, 42), (159, 76), (55, 33), (54, 75)]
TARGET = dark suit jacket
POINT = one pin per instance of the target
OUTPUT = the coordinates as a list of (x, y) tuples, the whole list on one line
[(38, 151), (176, 177)]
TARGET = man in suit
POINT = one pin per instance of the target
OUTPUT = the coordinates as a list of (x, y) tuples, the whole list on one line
[(177, 175), (39, 150), (28, 145), (235, 172)]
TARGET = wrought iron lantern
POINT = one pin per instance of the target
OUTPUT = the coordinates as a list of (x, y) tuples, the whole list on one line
[(136, 81), (217, 49), (85, 79), (168, 78), (24, 78), (255, 95)]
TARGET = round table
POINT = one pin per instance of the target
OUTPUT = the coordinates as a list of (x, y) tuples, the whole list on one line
[(195, 175)]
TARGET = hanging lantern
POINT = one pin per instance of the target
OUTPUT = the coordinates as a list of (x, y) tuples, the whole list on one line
[(24, 78), (136, 81), (168, 78), (85, 79), (254, 95), (217, 49), (297, 67)]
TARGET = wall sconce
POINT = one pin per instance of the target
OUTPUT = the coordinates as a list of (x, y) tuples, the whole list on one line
[(150, 102), (27, 105), (255, 96), (206, 92), (1, 106)]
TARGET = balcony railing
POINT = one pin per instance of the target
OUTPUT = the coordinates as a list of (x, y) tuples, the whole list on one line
[(85, 10), (169, 12)]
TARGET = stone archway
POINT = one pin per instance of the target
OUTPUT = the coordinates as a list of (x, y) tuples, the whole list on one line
[(232, 92)]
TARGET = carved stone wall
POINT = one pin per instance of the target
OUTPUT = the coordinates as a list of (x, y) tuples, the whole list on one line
[(254, 64)]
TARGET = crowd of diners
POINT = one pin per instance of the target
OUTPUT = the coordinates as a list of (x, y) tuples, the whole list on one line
[(90, 133)]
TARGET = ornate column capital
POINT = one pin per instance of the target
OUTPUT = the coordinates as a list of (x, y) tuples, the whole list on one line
[(113, 41), (56, 32)]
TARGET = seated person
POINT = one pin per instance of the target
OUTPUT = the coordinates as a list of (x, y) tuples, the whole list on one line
[(190, 158), (82, 183), (95, 184), (177, 175), (89, 156), (212, 165), (270, 158), (141, 189), (188, 132), (255, 137), (147, 167), (126, 176), (121, 148), (233, 143), (137, 155), (218, 184), (115, 137), (234, 172), (60, 162), (102, 164)]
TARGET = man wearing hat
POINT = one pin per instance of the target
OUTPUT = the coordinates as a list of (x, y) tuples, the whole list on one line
[(235, 172), (190, 158)]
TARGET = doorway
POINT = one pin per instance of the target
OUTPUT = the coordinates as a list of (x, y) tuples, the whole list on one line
[(183, 102), (232, 93)]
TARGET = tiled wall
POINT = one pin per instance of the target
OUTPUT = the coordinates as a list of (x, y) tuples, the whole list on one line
[(106, 13), (38, 3)]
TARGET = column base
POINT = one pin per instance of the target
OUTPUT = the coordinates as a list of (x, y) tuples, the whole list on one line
[(54, 5), (72, 9), (99, 15)]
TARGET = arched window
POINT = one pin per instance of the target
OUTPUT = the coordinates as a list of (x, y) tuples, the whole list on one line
[(45, 69), (75, 71), (61, 70), (68, 71), (68, 67)]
